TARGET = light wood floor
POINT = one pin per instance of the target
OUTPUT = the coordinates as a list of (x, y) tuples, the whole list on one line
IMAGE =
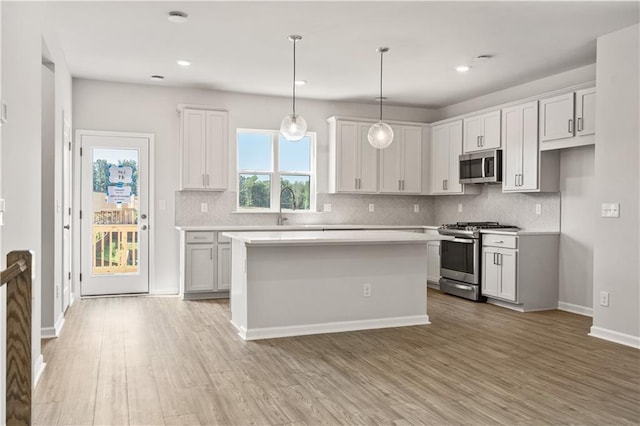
[(160, 361)]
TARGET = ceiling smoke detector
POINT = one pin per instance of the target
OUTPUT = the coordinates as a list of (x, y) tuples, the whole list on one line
[(177, 17)]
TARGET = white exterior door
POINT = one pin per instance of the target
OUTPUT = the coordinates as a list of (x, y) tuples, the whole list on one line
[(115, 213)]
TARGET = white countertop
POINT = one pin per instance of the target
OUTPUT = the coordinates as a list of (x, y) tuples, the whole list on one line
[(296, 227), (332, 237), (519, 233)]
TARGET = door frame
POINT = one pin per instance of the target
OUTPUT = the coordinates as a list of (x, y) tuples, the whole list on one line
[(77, 177)]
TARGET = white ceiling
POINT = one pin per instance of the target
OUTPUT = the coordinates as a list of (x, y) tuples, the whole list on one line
[(242, 46)]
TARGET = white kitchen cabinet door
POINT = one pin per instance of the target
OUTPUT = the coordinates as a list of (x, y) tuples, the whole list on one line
[(411, 161), (491, 130), (472, 127), (508, 274), (512, 155), (224, 267), (194, 149), (391, 159), (455, 150), (530, 154), (204, 149), (556, 117), (217, 152), (520, 157), (586, 112), (433, 261), (482, 132), (439, 159), (346, 146), (200, 268), (491, 274), (368, 162)]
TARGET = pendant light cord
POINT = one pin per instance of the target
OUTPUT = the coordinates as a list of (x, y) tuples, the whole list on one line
[(381, 53), (294, 77)]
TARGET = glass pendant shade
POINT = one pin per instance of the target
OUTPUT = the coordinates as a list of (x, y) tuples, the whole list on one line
[(293, 127), (380, 135)]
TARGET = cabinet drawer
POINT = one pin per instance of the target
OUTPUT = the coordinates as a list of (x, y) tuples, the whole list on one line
[(495, 240), (200, 237), (223, 239)]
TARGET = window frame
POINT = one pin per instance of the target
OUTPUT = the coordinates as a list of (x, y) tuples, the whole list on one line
[(275, 173)]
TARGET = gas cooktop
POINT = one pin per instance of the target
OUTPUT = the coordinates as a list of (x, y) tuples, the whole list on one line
[(473, 228)]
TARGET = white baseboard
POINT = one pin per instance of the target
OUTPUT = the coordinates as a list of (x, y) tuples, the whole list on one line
[(52, 332), (164, 292), (332, 327), (575, 309), (38, 369), (615, 336)]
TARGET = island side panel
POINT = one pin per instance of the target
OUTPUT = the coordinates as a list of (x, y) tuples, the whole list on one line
[(293, 286), (238, 292)]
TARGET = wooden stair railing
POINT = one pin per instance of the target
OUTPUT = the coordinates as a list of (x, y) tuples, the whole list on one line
[(18, 279)]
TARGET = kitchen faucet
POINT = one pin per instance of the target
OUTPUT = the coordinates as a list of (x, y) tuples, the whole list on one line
[(293, 197)]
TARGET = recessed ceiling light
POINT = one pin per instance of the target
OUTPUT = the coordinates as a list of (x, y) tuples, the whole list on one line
[(177, 17), (157, 77), (183, 63), (482, 58), (301, 82), (463, 68)]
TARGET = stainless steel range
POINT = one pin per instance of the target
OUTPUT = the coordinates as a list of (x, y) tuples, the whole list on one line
[(460, 261)]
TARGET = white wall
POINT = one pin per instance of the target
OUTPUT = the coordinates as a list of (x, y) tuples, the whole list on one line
[(136, 108), (24, 27), (616, 246), (578, 219)]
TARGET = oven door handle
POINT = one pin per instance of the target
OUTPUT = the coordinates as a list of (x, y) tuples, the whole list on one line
[(463, 240), (462, 286)]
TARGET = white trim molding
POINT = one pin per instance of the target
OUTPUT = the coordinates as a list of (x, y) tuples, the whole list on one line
[(615, 336), (38, 368), (53, 332), (331, 327), (575, 309)]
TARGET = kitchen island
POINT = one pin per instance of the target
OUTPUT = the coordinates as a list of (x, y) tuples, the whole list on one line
[(291, 283)]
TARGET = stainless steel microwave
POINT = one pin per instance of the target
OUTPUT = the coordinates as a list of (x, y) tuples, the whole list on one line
[(481, 167)]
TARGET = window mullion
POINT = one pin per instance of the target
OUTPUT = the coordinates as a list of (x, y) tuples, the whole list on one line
[(275, 165)]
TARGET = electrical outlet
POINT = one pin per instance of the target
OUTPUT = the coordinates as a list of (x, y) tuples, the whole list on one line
[(459, 208), (372, 208), (416, 208), (366, 290), (610, 210), (604, 298), (538, 208), (204, 207), (327, 208)]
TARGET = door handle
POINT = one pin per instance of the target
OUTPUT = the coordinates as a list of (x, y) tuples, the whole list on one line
[(144, 227), (143, 216), (67, 227)]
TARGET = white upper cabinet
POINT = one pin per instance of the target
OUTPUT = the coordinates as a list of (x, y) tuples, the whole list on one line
[(204, 157), (401, 162), (524, 169), (446, 147), (568, 120), (481, 132), (353, 163)]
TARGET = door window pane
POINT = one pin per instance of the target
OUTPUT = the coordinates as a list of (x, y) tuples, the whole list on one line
[(300, 185), (254, 152), (115, 211), (254, 191), (295, 156)]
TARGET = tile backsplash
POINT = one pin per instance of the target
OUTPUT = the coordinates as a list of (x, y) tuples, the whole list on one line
[(490, 205), (345, 209)]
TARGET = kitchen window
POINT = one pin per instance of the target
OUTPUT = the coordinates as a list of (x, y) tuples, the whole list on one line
[(268, 164)]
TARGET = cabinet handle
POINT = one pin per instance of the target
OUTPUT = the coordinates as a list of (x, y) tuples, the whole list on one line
[(207, 179), (446, 184), (443, 184), (403, 184), (580, 124), (399, 185), (515, 180), (570, 129), (359, 183), (521, 180), (481, 140), (478, 141), (355, 183)]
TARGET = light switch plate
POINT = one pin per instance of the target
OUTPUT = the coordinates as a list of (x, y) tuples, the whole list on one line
[(416, 208), (327, 208), (610, 210)]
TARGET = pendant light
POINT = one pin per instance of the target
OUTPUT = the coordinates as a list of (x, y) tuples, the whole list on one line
[(380, 134), (293, 126)]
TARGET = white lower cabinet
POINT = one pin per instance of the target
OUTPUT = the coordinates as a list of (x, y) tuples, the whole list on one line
[(206, 265), (521, 272), (433, 262)]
